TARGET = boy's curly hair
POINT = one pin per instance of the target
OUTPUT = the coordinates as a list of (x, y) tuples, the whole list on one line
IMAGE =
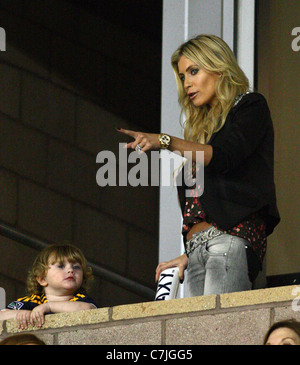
[(50, 255)]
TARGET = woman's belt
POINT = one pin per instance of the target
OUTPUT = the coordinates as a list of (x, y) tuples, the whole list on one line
[(201, 237)]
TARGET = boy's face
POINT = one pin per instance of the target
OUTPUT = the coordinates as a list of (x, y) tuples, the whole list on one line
[(62, 279)]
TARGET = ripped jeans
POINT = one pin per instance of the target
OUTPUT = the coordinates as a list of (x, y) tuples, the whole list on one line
[(217, 263)]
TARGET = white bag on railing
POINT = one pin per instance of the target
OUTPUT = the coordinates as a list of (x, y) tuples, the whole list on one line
[(167, 285)]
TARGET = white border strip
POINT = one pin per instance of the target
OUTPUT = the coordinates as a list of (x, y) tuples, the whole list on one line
[(246, 38)]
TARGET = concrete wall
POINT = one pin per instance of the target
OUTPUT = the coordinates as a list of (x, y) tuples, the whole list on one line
[(228, 319), (68, 77), (278, 80)]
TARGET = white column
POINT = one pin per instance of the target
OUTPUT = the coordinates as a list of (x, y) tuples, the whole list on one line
[(246, 37), (183, 19)]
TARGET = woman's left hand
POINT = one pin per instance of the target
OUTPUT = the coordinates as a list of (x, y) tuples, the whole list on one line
[(146, 141)]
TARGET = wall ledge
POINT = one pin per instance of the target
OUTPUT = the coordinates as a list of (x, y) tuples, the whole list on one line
[(160, 311), (62, 320)]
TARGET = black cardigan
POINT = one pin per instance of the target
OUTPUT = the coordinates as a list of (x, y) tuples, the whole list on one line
[(239, 180)]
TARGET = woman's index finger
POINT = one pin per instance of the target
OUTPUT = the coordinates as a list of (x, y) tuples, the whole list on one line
[(127, 131)]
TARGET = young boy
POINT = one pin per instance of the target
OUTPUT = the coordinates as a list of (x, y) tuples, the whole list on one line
[(56, 283)]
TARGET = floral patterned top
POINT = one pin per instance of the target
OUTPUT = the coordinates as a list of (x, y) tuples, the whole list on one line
[(253, 228)]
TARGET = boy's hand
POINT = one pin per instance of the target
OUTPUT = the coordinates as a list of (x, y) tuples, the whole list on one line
[(37, 317), (23, 318)]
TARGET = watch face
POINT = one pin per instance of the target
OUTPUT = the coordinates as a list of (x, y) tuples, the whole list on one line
[(165, 139)]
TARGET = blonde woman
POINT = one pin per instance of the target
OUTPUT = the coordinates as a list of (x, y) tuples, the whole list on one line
[(225, 229)]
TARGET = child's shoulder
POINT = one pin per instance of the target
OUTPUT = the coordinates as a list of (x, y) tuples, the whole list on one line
[(82, 297), (27, 302)]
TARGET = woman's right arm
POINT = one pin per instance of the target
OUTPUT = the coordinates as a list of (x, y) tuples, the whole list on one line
[(181, 262), (150, 141)]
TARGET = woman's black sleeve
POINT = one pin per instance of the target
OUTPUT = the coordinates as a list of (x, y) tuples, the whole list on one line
[(240, 138)]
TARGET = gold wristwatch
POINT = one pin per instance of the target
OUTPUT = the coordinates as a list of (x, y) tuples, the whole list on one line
[(164, 141)]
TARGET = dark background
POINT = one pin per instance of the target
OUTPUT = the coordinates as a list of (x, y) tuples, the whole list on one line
[(71, 73)]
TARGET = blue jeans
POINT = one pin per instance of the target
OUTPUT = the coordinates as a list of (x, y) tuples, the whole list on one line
[(217, 265)]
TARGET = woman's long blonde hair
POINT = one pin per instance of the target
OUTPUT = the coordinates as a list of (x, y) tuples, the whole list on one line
[(212, 54)]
